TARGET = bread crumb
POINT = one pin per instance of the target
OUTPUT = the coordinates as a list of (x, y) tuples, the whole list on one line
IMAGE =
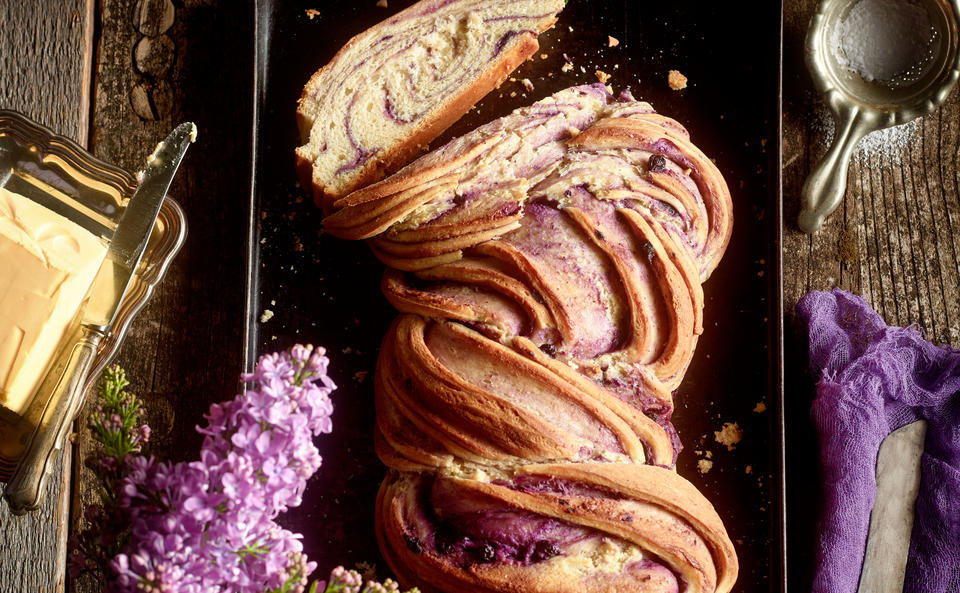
[(527, 84), (566, 67), (513, 94), (748, 469), (729, 435), (382, 3), (543, 56), (676, 80), (612, 41), (266, 316), (312, 12), (760, 407), (602, 76), (704, 465)]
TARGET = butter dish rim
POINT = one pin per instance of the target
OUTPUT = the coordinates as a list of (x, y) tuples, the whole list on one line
[(62, 157)]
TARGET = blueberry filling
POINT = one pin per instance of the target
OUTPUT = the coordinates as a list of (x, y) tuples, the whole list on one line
[(508, 209), (413, 543), (469, 528), (548, 349), (669, 209), (657, 163), (487, 553), (504, 39), (649, 251), (545, 201), (544, 550)]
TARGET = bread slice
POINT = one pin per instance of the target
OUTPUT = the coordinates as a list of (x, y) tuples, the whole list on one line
[(396, 86)]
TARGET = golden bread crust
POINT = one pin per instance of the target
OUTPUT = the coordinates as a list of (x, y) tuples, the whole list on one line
[(548, 270)]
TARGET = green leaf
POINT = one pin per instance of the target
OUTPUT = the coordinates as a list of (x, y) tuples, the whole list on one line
[(253, 549)]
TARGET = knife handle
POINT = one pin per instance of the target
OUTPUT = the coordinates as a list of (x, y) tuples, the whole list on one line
[(64, 383)]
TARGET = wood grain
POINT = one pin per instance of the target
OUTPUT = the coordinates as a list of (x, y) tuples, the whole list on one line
[(184, 350), (896, 238), (45, 66)]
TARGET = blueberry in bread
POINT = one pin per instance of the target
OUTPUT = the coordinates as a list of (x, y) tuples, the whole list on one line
[(396, 86), (584, 528), (548, 270)]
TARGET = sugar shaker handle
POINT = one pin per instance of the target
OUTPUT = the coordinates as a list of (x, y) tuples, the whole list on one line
[(823, 191)]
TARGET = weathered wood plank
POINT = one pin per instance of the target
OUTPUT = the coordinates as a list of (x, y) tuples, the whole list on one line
[(44, 73), (160, 63), (896, 238)]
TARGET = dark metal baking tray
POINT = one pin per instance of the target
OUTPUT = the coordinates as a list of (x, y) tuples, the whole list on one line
[(325, 291)]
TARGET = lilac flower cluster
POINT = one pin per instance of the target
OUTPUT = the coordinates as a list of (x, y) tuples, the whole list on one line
[(350, 581), (115, 425), (208, 526)]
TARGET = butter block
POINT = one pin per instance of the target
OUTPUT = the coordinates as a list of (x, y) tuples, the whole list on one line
[(47, 264)]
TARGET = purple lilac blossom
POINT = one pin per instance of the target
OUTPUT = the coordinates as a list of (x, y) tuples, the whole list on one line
[(208, 526)]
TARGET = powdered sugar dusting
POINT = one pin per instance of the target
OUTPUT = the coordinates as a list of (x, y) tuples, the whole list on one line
[(888, 41), (883, 148)]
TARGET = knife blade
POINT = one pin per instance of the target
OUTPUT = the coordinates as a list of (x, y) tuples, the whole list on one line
[(891, 520), (62, 385), (136, 224)]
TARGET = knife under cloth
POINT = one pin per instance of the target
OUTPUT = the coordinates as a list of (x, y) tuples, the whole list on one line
[(62, 388), (891, 521)]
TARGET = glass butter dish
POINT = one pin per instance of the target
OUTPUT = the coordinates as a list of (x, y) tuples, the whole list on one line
[(51, 182)]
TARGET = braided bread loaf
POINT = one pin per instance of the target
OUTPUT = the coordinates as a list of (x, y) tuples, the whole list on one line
[(548, 270), (397, 85)]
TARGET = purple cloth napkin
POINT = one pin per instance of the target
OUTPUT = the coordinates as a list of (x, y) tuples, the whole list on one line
[(873, 379)]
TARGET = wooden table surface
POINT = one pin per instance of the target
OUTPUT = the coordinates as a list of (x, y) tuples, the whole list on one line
[(117, 75)]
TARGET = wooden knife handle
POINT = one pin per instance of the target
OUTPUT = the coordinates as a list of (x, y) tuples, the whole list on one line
[(891, 520), (62, 388)]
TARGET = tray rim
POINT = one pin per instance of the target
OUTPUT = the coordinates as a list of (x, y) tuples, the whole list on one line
[(778, 566), (778, 342)]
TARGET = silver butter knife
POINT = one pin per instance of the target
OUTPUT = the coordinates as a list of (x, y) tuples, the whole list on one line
[(891, 521), (62, 386)]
